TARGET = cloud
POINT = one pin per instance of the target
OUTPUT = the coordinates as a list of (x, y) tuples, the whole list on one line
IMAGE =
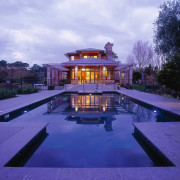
[(43, 31), (68, 36), (101, 39)]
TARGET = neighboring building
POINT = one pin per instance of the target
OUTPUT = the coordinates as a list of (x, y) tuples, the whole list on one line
[(91, 66)]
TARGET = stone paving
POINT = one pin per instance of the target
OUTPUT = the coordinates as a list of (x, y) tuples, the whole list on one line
[(166, 103), (144, 173), (12, 104), (165, 137), (15, 136)]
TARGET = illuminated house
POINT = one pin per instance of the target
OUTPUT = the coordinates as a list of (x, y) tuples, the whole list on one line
[(91, 66)]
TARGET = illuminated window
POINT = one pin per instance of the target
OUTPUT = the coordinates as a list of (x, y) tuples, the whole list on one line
[(85, 56), (72, 58), (95, 56)]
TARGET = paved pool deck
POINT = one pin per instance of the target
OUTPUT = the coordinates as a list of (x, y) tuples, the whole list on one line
[(162, 102), (12, 104), (15, 136), (164, 136)]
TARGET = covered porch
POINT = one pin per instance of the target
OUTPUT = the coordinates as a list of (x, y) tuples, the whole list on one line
[(90, 71)]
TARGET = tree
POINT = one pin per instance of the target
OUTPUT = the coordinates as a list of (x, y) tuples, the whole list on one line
[(39, 72), (114, 56), (18, 64), (167, 29), (141, 55), (3, 63), (170, 74)]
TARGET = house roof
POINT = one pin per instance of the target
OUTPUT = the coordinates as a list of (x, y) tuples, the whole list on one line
[(122, 66), (84, 50), (57, 66), (90, 61), (90, 50)]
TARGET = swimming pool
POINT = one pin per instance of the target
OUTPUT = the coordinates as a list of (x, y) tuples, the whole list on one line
[(88, 130)]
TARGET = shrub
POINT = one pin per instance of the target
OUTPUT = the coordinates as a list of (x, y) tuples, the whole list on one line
[(4, 93), (50, 87), (27, 90), (139, 87)]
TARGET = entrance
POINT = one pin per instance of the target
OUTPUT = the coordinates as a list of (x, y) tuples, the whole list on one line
[(89, 76)]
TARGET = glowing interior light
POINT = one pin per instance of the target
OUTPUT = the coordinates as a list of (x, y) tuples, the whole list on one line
[(83, 69), (90, 94)]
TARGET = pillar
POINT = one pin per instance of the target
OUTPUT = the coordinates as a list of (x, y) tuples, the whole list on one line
[(48, 75), (53, 73), (76, 74), (120, 77), (125, 76), (104, 74), (55, 77), (130, 75)]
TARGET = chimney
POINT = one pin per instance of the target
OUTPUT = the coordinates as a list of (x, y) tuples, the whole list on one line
[(108, 48)]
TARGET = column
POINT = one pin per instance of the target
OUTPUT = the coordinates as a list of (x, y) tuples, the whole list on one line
[(55, 77), (125, 77), (130, 76), (100, 80), (76, 74), (53, 73), (120, 78), (48, 75), (104, 74)]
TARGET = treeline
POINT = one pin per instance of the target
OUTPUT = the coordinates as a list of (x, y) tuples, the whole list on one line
[(18, 71), (164, 59)]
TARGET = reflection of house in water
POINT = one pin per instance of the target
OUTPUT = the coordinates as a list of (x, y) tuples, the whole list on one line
[(91, 109), (57, 105)]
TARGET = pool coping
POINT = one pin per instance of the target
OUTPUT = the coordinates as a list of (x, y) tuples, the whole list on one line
[(19, 142), (169, 112), (15, 110), (153, 134)]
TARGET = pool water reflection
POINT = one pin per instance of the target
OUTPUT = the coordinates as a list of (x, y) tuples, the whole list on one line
[(90, 131)]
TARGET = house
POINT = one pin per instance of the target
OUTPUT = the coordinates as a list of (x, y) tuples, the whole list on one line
[(90, 66)]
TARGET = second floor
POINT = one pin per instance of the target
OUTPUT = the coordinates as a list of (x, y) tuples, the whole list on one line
[(91, 52)]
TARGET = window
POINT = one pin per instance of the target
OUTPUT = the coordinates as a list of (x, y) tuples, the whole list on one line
[(72, 58), (85, 56)]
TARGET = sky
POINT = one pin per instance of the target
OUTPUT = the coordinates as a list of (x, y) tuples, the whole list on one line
[(42, 31)]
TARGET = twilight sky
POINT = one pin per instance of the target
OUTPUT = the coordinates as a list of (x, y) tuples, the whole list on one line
[(42, 31)]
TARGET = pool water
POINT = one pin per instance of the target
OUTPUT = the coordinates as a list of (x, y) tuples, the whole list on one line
[(90, 131)]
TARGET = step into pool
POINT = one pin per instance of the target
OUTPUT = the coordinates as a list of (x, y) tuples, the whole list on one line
[(90, 131)]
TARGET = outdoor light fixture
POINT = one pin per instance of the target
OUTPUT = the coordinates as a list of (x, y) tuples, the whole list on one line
[(6, 116), (90, 94), (83, 69), (25, 111), (154, 111)]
